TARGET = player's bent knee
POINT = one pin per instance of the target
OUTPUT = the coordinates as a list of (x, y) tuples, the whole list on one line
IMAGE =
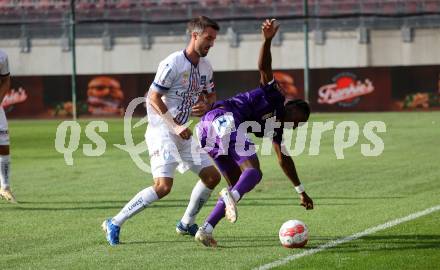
[(210, 177), (215, 178), (162, 191), (163, 188)]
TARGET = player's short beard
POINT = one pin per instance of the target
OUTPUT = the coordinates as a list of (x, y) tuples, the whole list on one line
[(201, 53)]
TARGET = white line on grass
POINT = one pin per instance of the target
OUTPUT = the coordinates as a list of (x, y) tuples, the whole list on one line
[(352, 237)]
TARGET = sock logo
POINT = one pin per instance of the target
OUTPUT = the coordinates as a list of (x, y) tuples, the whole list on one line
[(205, 226), (135, 204), (199, 206)]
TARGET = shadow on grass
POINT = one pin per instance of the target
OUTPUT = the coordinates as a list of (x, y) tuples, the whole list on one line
[(391, 242), (374, 243), (100, 201), (69, 202), (245, 201), (147, 242), (222, 245), (18, 208), (330, 198), (106, 204), (183, 206), (230, 242)]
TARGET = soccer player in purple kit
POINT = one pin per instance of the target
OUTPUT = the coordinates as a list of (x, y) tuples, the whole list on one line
[(219, 135)]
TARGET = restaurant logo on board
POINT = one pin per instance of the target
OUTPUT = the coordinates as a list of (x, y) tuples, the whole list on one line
[(346, 90)]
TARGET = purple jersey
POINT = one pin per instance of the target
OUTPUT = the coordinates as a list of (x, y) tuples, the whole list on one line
[(257, 105)]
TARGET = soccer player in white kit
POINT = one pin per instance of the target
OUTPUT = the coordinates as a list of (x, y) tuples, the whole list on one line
[(174, 95), (5, 84)]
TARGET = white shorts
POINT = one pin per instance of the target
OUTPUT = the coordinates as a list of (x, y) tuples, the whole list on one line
[(4, 132), (169, 152)]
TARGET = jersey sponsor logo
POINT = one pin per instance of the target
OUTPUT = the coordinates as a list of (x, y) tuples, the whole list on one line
[(345, 91), (185, 78)]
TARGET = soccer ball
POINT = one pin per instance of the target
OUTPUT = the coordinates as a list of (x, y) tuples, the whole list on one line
[(294, 234)]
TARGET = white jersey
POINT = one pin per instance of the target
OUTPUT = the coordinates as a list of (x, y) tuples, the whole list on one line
[(181, 84), (4, 71), (4, 66)]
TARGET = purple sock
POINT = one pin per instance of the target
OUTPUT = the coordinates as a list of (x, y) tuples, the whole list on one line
[(217, 213), (249, 178)]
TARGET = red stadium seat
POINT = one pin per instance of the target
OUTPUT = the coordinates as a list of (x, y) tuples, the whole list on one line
[(412, 6), (370, 7), (347, 7), (389, 8), (432, 6)]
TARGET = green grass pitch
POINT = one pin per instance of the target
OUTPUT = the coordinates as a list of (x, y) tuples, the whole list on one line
[(56, 225)]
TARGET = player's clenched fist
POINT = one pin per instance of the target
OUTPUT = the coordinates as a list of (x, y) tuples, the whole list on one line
[(306, 201), (185, 134)]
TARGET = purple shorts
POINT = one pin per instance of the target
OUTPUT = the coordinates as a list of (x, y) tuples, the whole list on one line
[(218, 135)]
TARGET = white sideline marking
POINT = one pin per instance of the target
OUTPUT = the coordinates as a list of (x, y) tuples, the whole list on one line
[(352, 237)]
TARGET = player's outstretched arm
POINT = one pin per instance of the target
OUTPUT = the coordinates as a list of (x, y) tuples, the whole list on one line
[(268, 30), (288, 166)]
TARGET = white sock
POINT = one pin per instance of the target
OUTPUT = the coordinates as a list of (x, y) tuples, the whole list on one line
[(208, 227), (235, 195), (140, 201), (199, 196), (4, 171)]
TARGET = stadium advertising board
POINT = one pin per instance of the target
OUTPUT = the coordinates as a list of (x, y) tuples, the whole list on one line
[(97, 95), (416, 87), (348, 89), (360, 89)]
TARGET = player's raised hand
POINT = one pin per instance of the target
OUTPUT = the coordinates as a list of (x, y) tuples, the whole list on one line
[(306, 201), (269, 28)]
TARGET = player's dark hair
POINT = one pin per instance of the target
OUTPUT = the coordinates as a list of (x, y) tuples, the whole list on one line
[(300, 104), (200, 23)]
